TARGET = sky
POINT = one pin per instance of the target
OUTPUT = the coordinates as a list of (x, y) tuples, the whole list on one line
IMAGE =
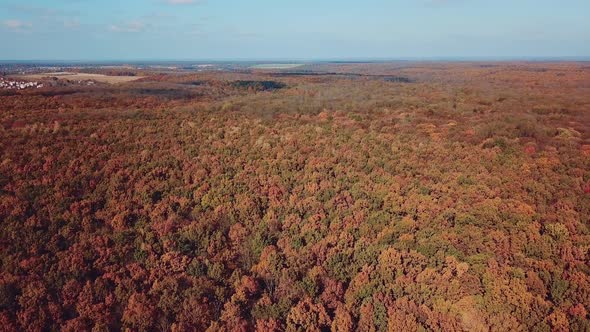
[(296, 29)]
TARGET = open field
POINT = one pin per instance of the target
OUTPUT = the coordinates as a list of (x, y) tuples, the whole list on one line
[(276, 66), (378, 196), (81, 77)]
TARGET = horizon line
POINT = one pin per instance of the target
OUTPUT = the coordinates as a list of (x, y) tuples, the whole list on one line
[(315, 60)]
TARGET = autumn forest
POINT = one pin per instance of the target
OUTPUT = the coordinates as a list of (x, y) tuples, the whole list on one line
[(394, 196)]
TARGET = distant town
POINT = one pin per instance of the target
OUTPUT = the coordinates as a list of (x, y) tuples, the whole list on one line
[(18, 85)]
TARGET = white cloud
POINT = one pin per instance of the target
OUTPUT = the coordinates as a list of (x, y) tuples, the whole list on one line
[(16, 24)]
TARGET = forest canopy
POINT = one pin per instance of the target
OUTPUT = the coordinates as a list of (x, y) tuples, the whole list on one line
[(422, 197)]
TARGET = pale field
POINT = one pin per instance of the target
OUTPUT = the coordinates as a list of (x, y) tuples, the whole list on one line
[(83, 77), (277, 66)]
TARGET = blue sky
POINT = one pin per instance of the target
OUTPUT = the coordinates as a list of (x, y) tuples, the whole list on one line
[(281, 29)]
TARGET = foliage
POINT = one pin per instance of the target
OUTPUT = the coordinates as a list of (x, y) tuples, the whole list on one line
[(341, 201)]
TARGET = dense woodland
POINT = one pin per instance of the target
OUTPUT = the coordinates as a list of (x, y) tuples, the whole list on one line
[(369, 197)]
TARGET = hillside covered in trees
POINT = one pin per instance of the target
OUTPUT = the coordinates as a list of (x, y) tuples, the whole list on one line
[(342, 197)]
